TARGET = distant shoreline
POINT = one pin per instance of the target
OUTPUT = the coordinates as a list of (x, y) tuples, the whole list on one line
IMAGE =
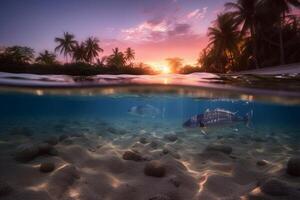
[(72, 69), (78, 70)]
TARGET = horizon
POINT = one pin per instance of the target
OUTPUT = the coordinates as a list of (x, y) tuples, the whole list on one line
[(156, 31)]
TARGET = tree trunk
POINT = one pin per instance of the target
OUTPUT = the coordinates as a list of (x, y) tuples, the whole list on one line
[(231, 60), (254, 46), (282, 59)]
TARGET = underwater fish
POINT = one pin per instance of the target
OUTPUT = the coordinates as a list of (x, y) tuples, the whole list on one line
[(144, 111), (214, 118)]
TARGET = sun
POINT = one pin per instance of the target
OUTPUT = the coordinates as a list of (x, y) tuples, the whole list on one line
[(161, 67), (165, 70)]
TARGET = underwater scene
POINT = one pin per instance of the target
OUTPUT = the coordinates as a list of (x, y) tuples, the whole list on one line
[(147, 147)]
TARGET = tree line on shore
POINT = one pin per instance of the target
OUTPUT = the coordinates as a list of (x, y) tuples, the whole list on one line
[(82, 58)]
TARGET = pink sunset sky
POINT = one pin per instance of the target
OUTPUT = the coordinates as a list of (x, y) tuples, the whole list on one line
[(155, 29)]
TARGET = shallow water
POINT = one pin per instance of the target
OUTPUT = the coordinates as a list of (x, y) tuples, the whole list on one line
[(92, 129), (27, 109)]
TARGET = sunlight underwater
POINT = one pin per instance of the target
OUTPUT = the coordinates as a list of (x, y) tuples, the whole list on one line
[(137, 143)]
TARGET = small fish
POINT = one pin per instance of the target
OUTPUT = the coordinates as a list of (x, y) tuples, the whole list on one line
[(144, 111), (214, 118)]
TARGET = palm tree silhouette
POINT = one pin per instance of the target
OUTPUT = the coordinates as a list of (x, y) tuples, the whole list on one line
[(92, 49), (129, 55), (46, 58), (175, 63), (117, 59), (79, 53), (224, 37), (279, 9), (66, 44), (20, 54), (101, 62), (245, 13)]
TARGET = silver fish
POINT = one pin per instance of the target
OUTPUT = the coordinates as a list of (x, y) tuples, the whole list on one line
[(144, 111), (214, 118)]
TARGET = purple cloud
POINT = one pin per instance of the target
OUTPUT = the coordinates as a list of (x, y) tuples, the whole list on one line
[(180, 29), (163, 27)]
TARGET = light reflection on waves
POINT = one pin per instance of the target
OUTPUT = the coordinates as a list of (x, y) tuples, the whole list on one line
[(197, 85)]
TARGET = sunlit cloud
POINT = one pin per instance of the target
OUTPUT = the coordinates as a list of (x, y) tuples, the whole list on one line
[(146, 31), (161, 28), (197, 14)]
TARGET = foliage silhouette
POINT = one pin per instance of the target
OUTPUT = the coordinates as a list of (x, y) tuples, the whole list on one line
[(46, 58)]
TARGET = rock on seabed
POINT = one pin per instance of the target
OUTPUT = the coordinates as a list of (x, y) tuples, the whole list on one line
[(26, 152), (171, 137), (130, 155), (220, 148), (143, 140), (47, 167), (155, 168), (275, 187), (293, 166), (261, 163)]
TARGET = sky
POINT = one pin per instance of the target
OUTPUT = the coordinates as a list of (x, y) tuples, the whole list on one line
[(155, 29)]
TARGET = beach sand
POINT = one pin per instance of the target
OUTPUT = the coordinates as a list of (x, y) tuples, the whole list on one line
[(114, 163), (277, 70)]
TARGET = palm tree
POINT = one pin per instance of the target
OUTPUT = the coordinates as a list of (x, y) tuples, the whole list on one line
[(46, 58), (175, 64), (129, 54), (101, 62), (66, 44), (210, 62), (19, 54), (92, 49), (204, 60), (117, 59), (224, 38), (245, 12), (79, 53), (280, 8)]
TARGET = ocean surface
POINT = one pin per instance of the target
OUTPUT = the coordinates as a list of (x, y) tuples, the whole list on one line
[(93, 123)]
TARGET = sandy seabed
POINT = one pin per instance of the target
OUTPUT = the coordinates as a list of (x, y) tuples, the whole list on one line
[(110, 162)]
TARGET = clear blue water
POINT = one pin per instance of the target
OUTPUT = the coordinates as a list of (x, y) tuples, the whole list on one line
[(101, 127), (33, 111)]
